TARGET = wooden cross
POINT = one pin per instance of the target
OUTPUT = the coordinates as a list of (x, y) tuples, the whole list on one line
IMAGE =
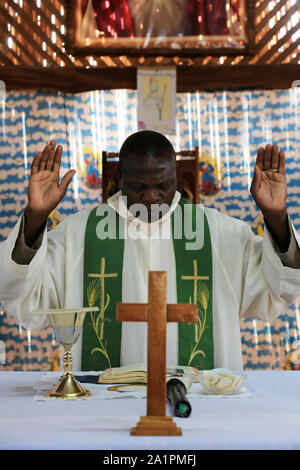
[(157, 313), (102, 275)]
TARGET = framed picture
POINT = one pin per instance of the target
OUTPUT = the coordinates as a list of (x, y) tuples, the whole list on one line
[(160, 27), (156, 89)]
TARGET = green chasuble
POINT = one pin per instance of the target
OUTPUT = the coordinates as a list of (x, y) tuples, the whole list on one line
[(102, 287)]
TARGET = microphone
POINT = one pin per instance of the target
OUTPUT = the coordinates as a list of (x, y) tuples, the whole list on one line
[(176, 394)]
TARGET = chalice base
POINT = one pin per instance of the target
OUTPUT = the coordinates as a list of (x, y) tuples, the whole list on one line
[(68, 387)]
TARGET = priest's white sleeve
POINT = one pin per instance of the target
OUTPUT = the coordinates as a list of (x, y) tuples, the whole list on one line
[(272, 279), (249, 280), (250, 276), (38, 284)]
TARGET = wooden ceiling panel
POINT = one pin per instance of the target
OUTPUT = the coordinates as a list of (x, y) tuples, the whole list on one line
[(33, 34)]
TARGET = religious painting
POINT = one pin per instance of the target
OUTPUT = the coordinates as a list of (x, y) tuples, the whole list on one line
[(89, 169), (160, 27), (156, 89), (258, 225), (210, 177), (54, 218), (293, 358)]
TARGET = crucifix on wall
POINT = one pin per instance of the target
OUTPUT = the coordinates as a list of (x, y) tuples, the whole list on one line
[(157, 313)]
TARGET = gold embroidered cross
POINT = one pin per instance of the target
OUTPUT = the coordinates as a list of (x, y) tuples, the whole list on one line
[(195, 278), (102, 275)]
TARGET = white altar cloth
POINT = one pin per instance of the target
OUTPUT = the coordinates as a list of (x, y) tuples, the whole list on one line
[(267, 419)]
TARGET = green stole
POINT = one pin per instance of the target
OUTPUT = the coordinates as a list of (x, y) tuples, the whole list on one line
[(102, 287)]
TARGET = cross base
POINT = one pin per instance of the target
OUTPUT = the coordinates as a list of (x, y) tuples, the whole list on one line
[(156, 426)]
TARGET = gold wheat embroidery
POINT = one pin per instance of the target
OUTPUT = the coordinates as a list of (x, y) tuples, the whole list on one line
[(202, 299), (198, 297), (94, 293)]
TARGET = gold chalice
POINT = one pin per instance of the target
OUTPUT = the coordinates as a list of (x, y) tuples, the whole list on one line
[(67, 324)]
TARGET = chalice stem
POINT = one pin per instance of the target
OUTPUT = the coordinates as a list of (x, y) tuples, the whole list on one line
[(68, 387), (67, 324), (68, 362)]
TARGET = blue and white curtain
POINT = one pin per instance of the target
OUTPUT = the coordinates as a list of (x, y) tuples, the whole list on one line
[(228, 127)]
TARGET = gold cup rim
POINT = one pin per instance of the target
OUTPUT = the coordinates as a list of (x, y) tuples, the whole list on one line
[(66, 310)]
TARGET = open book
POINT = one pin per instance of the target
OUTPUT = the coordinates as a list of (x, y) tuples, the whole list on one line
[(137, 374)]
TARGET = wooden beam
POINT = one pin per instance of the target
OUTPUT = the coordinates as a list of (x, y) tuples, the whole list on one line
[(68, 79), (217, 77), (237, 77)]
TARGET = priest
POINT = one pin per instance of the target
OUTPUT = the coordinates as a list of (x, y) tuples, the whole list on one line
[(100, 256)]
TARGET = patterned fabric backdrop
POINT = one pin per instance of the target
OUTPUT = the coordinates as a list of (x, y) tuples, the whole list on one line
[(228, 127)]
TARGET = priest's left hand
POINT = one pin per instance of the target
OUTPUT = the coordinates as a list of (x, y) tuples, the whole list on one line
[(269, 190)]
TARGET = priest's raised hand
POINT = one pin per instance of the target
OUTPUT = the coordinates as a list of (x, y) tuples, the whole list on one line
[(45, 191), (269, 190)]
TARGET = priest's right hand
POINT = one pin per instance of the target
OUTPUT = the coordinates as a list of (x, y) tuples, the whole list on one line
[(44, 191)]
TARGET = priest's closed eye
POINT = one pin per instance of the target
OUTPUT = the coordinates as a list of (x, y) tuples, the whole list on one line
[(138, 187), (165, 186)]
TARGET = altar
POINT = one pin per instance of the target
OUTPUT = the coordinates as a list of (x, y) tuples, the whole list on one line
[(266, 418)]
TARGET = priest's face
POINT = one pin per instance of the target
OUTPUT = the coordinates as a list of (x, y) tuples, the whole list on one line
[(150, 182)]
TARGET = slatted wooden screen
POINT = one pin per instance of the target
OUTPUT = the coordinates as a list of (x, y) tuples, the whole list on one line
[(33, 38), (33, 32)]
